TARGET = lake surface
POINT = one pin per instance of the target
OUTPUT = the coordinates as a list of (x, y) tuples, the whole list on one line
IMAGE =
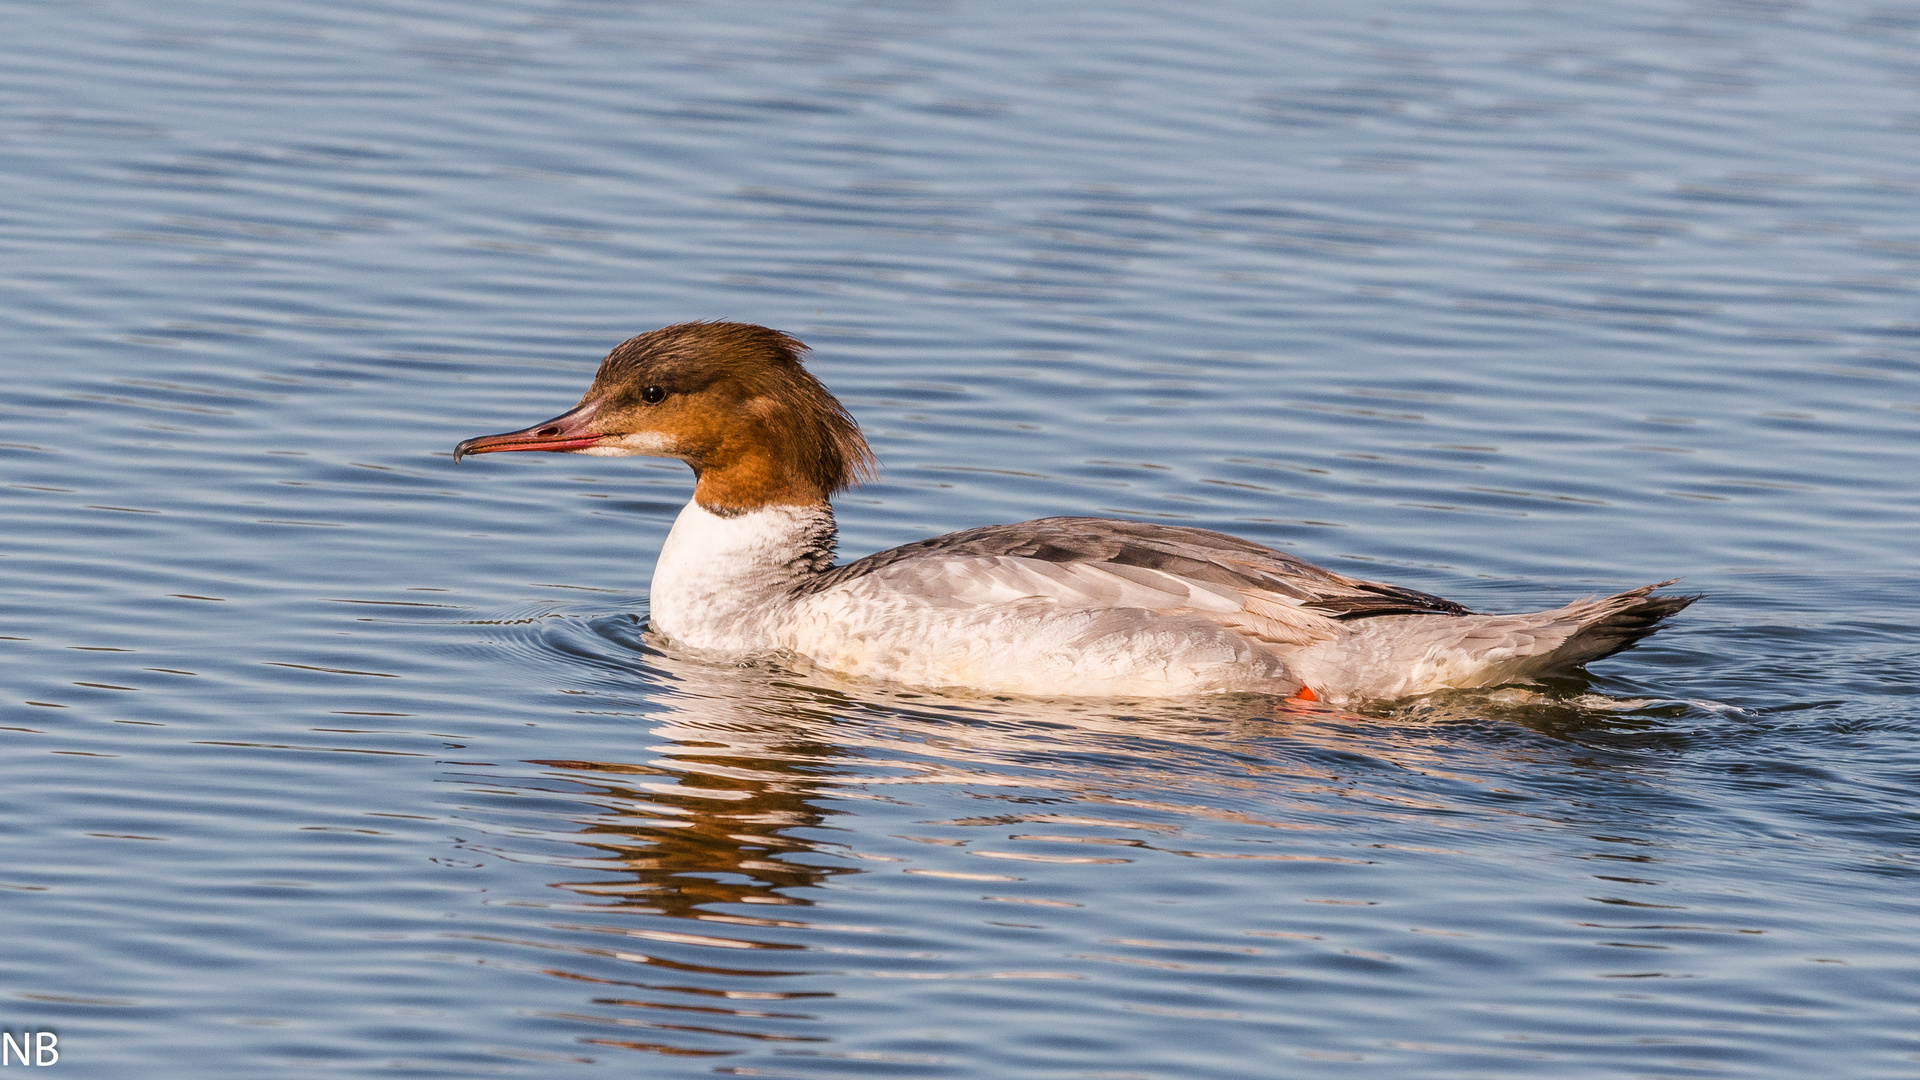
[(326, 757)]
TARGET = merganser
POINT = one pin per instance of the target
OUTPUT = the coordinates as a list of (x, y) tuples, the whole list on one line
[(1065, 606)]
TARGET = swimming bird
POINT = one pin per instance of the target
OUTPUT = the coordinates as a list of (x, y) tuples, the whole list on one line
[(1062, 606)]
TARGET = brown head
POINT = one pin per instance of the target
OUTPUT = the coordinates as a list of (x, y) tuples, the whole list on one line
[(729, 399)]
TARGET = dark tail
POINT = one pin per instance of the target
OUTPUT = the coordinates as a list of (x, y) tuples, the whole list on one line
[(1617, 622)]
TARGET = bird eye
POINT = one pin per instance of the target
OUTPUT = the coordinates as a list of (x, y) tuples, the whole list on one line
[(653, 395)]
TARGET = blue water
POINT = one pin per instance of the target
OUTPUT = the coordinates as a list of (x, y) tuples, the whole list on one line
[(326, 757)]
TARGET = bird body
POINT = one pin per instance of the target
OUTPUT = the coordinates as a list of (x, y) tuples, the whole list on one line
[(1066, 606)]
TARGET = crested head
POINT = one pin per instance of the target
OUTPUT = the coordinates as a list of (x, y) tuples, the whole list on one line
[(730, 399)]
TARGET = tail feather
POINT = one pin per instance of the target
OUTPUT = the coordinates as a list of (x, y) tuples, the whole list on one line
[(1612, 624), (1400, 655)]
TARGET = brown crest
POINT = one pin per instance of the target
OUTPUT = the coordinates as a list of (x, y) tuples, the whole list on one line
[(752, 375)]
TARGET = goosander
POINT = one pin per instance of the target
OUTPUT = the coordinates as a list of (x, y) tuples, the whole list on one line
[(1064, 606)]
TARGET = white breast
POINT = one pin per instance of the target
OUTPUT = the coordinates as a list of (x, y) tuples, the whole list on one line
[(723, 582)]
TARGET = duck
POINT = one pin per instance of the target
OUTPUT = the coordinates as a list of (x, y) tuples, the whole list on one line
[(1071, 607)]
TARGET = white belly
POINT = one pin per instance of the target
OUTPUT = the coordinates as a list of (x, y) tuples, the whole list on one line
[(1034, 647)]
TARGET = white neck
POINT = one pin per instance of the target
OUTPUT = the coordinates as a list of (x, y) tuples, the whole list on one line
[(721, 580)]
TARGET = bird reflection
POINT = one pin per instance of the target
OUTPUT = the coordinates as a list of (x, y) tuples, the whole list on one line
[(706, 850), (683, 839), (705, 834)]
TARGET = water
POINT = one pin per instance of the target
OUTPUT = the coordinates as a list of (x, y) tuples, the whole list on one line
[(324, 756)]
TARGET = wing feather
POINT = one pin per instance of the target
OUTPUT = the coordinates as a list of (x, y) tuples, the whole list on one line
[(1100, 562)]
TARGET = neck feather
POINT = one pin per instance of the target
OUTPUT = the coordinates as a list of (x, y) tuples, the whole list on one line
[(754, 482), (722, 576)]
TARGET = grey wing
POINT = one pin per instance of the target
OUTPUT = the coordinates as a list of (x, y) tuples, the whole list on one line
[(1270, 584)]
